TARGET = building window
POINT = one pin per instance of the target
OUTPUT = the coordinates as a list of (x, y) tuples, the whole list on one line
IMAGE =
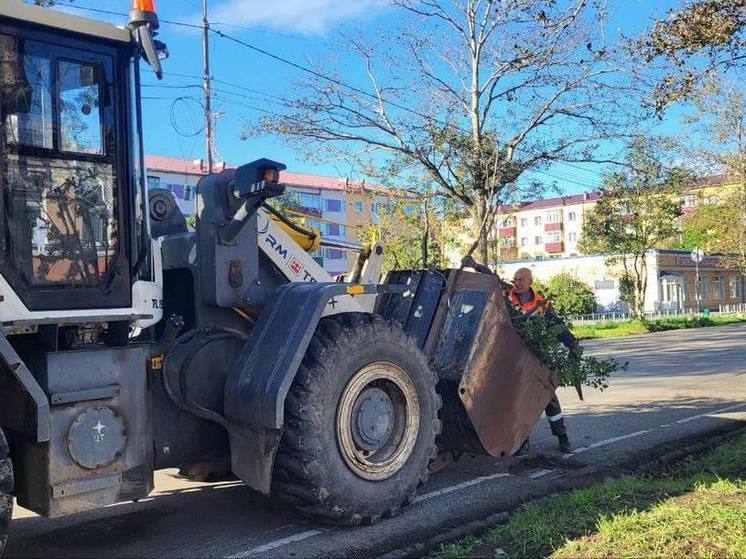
[(537, 220), (554, 216), (333, 229), (336, 254), (154, 182), (572, 216), (702, 289), (524, 241), (734, 287), (359, 207), (333, 205), (718, 288), (509, 242), (554, 237), (508, 222), (524, 222), (572, 237), (538, 239), (312, 201)]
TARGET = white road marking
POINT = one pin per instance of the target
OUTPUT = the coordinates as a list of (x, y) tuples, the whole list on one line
[(713, 412), (541, 472), (277, 543), (606, 442), (459, 486), (470, 483)]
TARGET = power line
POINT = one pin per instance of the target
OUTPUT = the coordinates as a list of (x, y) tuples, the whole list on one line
[(206, 27), (330, 79), (165, 86), (578, 167), (122, 14)]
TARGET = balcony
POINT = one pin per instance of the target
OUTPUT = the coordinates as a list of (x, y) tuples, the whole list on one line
[(315, 212), (507, 231), (554, 248), (557, 226)]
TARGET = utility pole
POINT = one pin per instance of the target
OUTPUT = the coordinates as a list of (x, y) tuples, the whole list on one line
[(207, 87)]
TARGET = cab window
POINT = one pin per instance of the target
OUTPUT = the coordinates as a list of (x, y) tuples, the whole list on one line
[(60, 199)]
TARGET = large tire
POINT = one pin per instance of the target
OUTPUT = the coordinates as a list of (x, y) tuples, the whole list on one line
[(6, 492), (360, 423)]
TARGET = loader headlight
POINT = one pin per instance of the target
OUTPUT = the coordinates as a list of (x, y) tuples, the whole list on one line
[(260, 176)]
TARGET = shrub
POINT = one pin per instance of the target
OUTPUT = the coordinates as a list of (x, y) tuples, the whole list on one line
[(570, 296)]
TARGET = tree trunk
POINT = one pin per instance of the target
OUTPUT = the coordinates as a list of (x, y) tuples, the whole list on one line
[(480, 231), (641, 284), (425, 240)]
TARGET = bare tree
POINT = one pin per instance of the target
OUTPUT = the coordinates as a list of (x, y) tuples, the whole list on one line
[(471, 94)]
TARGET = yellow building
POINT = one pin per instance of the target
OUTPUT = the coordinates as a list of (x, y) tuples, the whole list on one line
[(551, 228)]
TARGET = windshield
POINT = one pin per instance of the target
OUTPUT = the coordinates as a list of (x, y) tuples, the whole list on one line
[(60, 200)]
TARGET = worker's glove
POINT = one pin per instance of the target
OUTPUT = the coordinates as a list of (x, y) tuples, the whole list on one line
[(468, 262)]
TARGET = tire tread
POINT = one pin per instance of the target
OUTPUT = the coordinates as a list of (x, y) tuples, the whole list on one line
[(6, 491), (298, 478)]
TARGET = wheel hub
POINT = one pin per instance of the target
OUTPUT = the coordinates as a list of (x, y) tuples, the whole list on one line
[(373, 419), (378, 420)]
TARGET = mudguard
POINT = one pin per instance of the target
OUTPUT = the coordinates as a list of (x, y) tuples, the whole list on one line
[(12, 413), (255, 391)]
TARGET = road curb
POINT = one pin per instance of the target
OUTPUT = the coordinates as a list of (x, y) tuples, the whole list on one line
[(642, 462)]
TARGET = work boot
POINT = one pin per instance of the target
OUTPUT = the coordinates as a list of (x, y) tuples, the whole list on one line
[(564, 444)]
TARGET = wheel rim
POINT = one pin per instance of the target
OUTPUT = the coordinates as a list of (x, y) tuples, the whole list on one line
[(378, 420)]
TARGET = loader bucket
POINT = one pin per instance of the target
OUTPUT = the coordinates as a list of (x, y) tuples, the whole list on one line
[(494, 388)]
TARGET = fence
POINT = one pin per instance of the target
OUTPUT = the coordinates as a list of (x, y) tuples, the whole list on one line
[(599, 318), (740, 308)]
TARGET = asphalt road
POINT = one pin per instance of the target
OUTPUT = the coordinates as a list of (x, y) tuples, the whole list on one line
[(681, 386)]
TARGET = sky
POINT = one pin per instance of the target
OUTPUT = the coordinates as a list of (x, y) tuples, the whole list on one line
[(298, 30)]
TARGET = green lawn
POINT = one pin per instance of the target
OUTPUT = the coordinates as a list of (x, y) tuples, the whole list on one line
[(696, 509), (629, 327)]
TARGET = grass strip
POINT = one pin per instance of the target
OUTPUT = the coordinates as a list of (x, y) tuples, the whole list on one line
[(695, 509), (632, 327)]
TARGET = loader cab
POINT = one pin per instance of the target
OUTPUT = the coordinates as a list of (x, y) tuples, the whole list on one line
[(73, 227)]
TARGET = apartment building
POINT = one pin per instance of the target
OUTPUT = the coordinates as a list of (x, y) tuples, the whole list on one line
[(338, 207), (543, 228), (551, 228)]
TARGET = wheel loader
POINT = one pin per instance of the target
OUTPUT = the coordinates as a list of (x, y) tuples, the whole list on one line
[(132, 342)]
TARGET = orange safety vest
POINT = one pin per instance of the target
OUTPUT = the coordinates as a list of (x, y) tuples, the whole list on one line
[(537, 304)]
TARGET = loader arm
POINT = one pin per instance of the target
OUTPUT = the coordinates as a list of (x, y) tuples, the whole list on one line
[(297, 265)]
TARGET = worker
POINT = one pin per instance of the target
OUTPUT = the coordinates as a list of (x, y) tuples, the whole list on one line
[(532, 303)]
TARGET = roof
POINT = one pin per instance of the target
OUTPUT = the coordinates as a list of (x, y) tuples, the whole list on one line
[(178, 166), (559, 201), (36, 15), (551, 202)]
